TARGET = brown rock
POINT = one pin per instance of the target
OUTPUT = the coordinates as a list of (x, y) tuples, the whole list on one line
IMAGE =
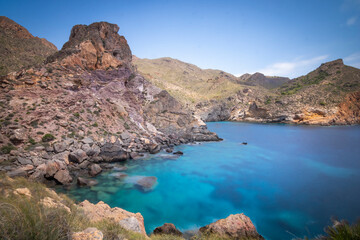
[(63, 177), (95, 169), (23, 191), (168, 229), (236, 226), (77, 156), (86, 182), (100, 211), (88, 234), (146, 183)]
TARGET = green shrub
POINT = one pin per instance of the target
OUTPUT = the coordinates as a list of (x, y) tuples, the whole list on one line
[(7, 148), (48, 137), (32, 141)]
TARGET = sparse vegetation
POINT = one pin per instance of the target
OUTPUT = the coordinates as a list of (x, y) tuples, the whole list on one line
[(6, 149), (48, 137)]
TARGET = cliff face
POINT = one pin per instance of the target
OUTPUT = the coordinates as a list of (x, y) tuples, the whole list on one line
[(19, 49)]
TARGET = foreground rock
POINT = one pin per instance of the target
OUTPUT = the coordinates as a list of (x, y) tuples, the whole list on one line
[(96, 212), (168, 229), (88, 234), (236, 226)]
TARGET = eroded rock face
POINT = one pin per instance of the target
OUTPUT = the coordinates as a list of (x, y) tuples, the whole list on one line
[(96, 46), (168, 229), (236, 226), (99, 211)]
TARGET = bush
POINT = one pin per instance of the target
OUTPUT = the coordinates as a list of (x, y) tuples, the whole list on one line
[(48, 137), (7, 148)]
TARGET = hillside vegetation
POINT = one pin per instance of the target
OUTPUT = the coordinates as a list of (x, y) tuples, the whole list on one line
[(19, 49)]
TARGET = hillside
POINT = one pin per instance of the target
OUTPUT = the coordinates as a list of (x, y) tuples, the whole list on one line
[(316, 98), (19, 49), (323, 96), (259, 79), (187, 82)]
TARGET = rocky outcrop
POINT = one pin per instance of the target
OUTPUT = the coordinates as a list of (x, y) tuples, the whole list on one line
[(88, 234), (96, 46), (96, 212), (167, 229), (236, 226)]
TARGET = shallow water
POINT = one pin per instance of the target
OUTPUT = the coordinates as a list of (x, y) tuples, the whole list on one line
[(290, 180)]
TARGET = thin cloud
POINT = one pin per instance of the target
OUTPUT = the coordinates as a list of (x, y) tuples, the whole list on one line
[(351, 21), (352, 57), (293, 68)]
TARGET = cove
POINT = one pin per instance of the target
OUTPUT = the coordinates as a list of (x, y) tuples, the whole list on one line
[(290, 180)]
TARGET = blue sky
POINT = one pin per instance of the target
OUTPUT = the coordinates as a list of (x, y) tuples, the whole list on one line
[(286, 38)]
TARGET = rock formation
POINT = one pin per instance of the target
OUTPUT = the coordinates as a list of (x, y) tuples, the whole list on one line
[(130, 221), (236, 226), (87, 106)]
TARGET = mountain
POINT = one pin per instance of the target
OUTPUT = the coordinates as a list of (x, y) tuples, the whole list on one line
[(316, 98), (186, 82), (327, 95), (259, 79), (91, 106), (19, 49)]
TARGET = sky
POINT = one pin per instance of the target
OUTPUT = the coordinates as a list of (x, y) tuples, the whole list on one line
[(278, 37)]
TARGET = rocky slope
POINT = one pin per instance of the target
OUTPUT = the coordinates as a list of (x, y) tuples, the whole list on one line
[(186, 82), (327, 95), (87, 105), (19, 49)]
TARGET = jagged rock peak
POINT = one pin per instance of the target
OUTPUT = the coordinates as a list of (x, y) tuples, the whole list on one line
[(94, 46)]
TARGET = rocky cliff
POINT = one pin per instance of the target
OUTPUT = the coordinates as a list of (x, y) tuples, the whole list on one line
[(88, 90), (19, 49)]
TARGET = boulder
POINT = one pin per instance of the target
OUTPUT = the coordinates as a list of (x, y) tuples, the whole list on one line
[(18, 136), (60, 147), (169, 150), (51, 168), (23, 191), (88, 234), (77, 156), (17, 173), (24, 161), (131, 224), (236, 226), (63, 157), (63, 177), (52, 203), (178, 153), (113, 153), (154, 148), (168, 229), (146, 183), (86, 182), (87, 140), (100, 211), (95, 169)]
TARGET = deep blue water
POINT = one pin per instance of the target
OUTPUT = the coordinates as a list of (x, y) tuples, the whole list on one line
[(290, 180)]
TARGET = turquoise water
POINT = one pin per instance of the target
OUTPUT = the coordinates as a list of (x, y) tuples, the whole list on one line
[(290, 180)]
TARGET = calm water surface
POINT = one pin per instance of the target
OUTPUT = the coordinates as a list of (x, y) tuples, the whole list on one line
[(290, 180)]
